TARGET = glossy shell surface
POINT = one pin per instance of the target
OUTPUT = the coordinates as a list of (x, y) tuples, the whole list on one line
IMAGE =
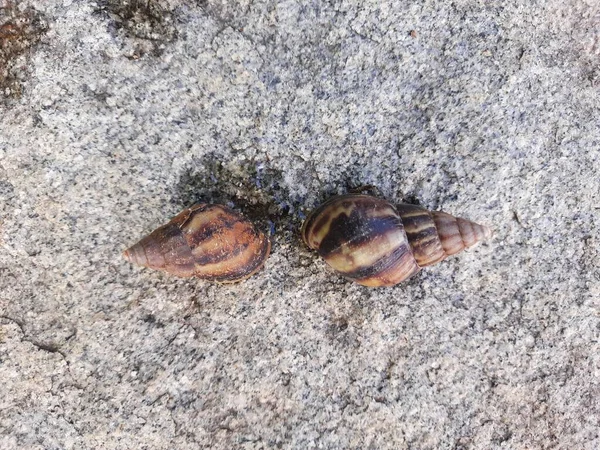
[(375, 243), (208, 241)]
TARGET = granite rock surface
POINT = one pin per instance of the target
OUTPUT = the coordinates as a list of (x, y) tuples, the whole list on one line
[(117, 114)]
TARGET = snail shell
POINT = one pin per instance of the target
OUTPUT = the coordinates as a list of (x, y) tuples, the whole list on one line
[(212, 242), (373, 242)]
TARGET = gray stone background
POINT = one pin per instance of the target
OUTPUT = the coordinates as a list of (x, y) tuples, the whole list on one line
[(116, 114)]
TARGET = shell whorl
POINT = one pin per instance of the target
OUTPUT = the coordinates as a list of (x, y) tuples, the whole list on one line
[(375, 243), (362, 238), (212, 242)]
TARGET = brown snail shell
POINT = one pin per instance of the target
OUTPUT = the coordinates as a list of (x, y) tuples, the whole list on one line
[(212, 242), (376, 243)]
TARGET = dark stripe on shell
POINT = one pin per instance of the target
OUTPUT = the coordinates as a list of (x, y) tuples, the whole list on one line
[(167, 248), (355, 230), (316, 220), (223, 221), (228, 244), (422, 234), (448, 232), (322, 215), (467, 233), (221, 253), (396, 258), (254, 263)]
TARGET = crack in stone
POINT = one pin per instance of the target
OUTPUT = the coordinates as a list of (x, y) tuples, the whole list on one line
[(47, 347)]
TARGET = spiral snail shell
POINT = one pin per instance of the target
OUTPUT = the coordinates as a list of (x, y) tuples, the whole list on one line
[(373, 242), (208, 241)]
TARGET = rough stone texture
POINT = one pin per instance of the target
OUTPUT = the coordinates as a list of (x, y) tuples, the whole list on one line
[(128, 111)]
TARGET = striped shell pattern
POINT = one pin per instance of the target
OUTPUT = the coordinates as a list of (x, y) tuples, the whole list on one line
[(376, 243), (212, 242)]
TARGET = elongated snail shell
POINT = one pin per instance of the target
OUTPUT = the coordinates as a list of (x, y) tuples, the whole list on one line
[(373, 242), (212, 242)]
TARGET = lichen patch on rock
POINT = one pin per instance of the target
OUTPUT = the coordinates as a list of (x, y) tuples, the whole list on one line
[(149, 24), (19, 32)]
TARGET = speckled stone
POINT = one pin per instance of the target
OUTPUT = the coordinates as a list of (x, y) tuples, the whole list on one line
[(127, 112)]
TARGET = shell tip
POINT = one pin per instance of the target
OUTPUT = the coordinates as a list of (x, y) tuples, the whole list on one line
[(135, 256), (488, 233)]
